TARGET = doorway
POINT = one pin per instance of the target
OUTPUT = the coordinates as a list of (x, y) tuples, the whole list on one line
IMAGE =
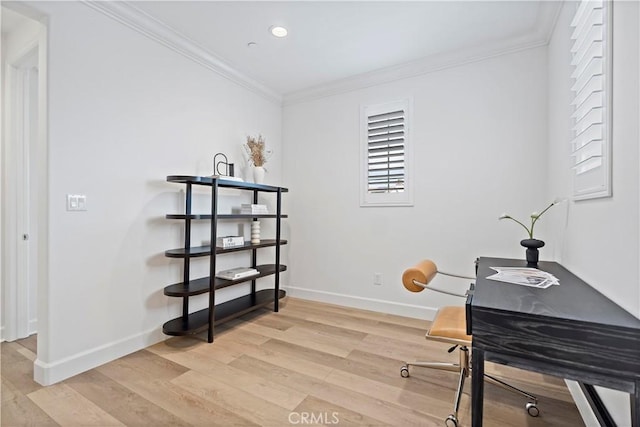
[(23, 172)]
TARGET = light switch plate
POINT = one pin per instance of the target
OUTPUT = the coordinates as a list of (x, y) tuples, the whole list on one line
[(76, 202)]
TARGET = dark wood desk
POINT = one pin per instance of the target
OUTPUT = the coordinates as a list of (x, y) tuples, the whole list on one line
[(570, 331)]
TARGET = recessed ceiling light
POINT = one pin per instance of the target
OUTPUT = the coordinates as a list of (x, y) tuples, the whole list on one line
[(278, 31)]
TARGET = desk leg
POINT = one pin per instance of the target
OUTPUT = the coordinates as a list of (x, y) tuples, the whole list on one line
[(635, 406), (477, 386)]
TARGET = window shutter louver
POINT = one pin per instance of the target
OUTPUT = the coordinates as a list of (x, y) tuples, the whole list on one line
[(591, 104), (386, 152)]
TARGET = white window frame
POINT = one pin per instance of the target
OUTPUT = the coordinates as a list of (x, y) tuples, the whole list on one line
[(591, 107), (404, 198)]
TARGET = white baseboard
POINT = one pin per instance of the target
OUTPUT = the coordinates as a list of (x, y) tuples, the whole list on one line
[(389, 307), (2, 334), (582, 404), (51, 373)]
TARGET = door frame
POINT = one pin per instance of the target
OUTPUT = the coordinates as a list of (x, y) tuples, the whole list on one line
[(41, 163), (18, 161)]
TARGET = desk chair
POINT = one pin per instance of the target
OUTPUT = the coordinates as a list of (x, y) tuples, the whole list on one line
[(450, 326)]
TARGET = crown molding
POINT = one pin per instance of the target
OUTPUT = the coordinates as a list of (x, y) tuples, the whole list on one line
[(540, 35), (135, 18), (404, 71), (548, 15), (140, 21)]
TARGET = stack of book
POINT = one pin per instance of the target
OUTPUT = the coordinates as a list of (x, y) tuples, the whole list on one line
[(230, 242), (237, 273), (252, 209)]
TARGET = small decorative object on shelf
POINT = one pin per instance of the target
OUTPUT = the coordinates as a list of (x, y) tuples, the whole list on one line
[(255, 232), (254, 209), (257, 156), (230, 242), (228, 167), (531, 244), (224, 169), (237, 273)]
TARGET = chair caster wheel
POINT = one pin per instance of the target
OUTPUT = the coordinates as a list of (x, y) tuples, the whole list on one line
[(404, 371), (451, 421), (532, 409)]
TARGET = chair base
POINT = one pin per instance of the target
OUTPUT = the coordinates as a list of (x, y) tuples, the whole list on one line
[(463, 368)]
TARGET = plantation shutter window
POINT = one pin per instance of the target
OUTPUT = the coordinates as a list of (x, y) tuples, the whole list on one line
[(385, 139), (591, 105), (386, 152)]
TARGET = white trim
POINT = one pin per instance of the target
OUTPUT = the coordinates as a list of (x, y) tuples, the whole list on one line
[(588, 417), (404, 71), (15, 167), (547, 18), (405, 198), (595, 182), (131, 16), (43, 350), (8, 224), (381, 306), (51, 373), (23, 142)]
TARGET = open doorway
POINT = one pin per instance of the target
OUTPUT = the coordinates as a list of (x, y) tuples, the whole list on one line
[(23, 175)]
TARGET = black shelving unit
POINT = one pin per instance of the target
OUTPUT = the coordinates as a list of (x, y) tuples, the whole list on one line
[(206, 319)]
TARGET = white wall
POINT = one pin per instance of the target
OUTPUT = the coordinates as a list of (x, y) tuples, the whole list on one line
[(598, 239), (125, 112), (479, 133), (589, 230)]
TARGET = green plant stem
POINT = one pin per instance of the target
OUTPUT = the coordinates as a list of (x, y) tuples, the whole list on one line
[(523, 226), (533, 220)]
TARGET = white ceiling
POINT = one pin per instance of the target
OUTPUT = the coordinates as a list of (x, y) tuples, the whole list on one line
[(330, 41)]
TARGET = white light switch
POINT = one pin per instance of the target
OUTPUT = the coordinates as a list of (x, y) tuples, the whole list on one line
[(76, 202)]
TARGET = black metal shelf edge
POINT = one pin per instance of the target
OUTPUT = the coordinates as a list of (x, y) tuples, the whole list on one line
[(225, 183), (265, 243), (192, 216), (249, 216), (199, 321), (192, 252), (199, 251), (201, 285), (223, 216)]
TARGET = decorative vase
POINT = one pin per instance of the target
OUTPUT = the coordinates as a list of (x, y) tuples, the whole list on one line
[(255, 232), (258, 174), (532, 246)]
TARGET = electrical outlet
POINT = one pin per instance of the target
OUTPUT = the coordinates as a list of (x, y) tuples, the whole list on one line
[(377, 279)]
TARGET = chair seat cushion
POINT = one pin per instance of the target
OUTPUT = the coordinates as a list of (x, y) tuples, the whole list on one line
[(450, 322)]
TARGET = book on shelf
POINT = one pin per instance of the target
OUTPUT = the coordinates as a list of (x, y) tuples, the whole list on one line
[(230, 242), (227, 177), (254, 209), (237, 273)]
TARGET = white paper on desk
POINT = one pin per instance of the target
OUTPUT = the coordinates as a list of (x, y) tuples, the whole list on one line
[(524, 276)]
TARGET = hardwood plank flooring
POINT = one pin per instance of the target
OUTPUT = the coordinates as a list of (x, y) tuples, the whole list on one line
[(312, 363)]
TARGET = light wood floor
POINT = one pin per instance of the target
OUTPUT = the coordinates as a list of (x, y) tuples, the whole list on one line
[(330, 364)]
